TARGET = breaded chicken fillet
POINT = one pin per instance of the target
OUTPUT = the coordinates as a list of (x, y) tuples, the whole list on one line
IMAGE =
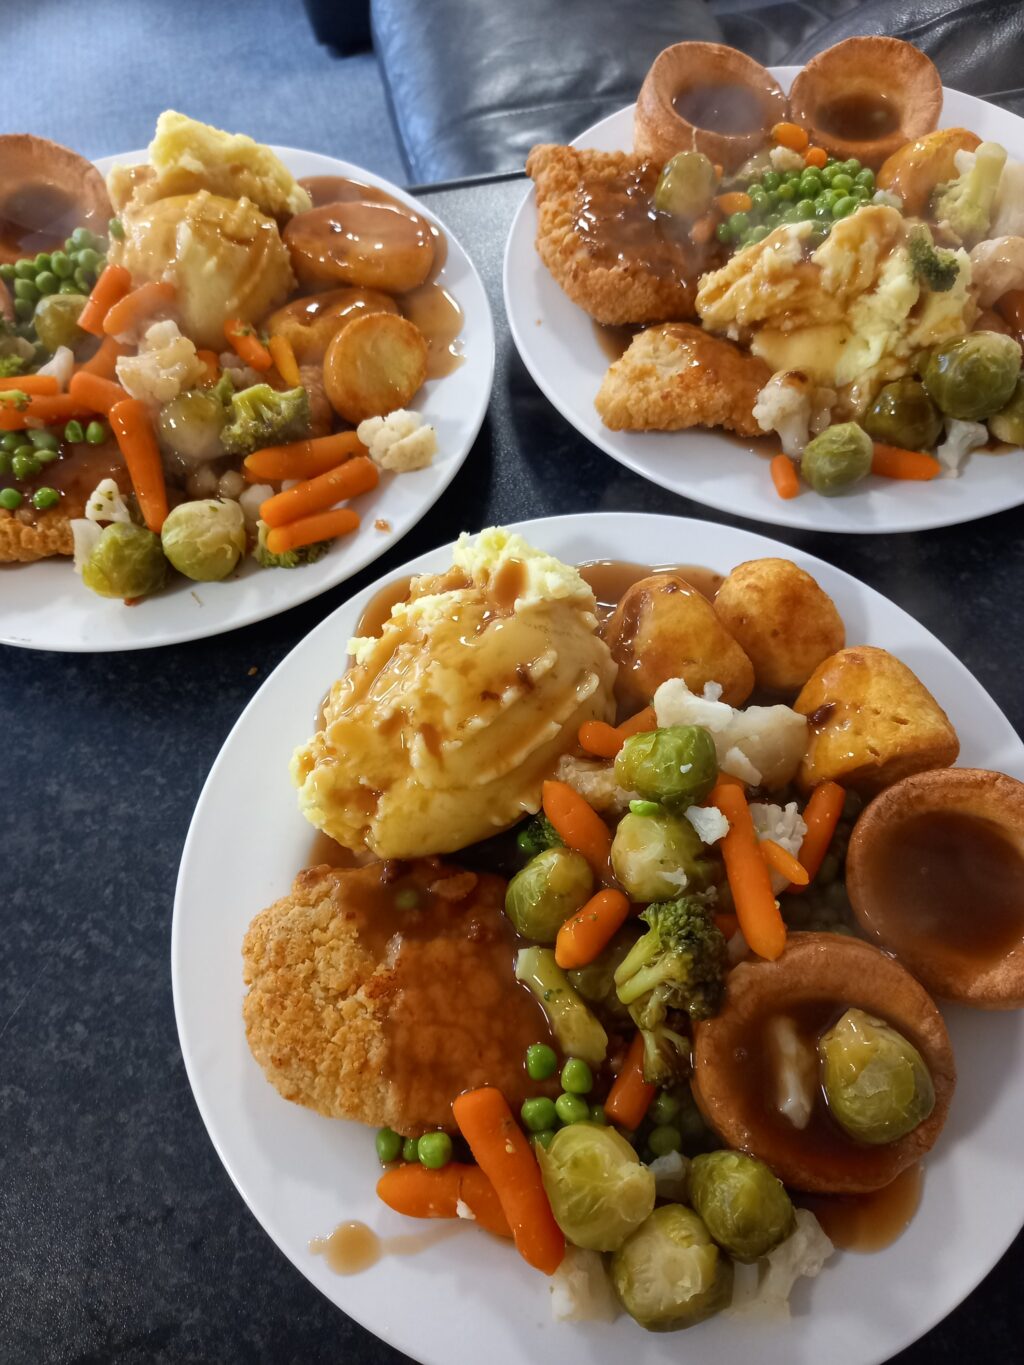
[(677, 376)]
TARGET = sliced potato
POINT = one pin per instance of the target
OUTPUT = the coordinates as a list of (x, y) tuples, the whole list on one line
[(376, 364), (918, 167), (310, 324)]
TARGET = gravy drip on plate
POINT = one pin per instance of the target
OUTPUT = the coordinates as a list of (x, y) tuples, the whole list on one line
[(353, 1246), (869, 1222), (610, 579), (727, 108)]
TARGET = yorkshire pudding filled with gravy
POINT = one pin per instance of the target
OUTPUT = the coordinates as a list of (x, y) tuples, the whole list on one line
[(832, 1039), (707, 98), (935, 872), (865, 97), (46, 191)]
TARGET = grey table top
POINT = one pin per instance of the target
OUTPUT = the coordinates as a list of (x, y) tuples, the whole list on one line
[(121, 1237)]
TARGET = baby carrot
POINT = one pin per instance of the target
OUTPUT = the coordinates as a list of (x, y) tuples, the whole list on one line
[(103, 363), (892, 462), (211, 365), (579, 825), (35, 384), (143, 302), (133, 429), (417, 1192), (582, 937), (734, 202), (727, 923), (111, 286), (346, 480), (815, 156), (630, 1096), (20, 410), (821, 816), (748, 876), (784, 476), (782, 861), (308, 530), (284, 358), (704, 228), (790, 135), (605, 741), (505, 1157), (98, 395), (301, 459), (247, 345)]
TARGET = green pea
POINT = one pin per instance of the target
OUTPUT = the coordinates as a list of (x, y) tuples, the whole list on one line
[(773, 198), (577, 1077), (388, 1144), (26, 289), (792, 177), (665, 1139), (88, 259), (25, 466), (772, 221), (47, 282), (787, 192), (10, 499), (7, 271), (538, 1113), (830, 161), (771, 180), (434, 1150), (828, 173), (759, 200), (664, 1107), (866, 177), (541, 1061), (823, 212), (758, 234), (792, 215), (545, 1138), (25, 448), (406, 899), (805, 208), (842, 181), (738, 224), (410, 1149), (844, 207), (83, 282), (10, 440), (43, 440), (42, 261), (81, 237), (853, 166), (96, 433), (116, 229), (24, 309), (46, 456), (68, 287), (723, 234), (644, 808), (61, 265), (572, 1108), (74, 433), (598, 1116), (24, 270)]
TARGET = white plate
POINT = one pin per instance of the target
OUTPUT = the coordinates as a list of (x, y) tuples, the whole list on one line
[(559, 347), (45, 606), (472, 1299)]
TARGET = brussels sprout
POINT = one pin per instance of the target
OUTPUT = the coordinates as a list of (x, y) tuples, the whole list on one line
[(650, 851), (876, 1083), (904, 415), (190, 425), (596, 981), (204, 540), (1008, 424), (56, 320), (837, 459), (669, 1274), (686, 185), (598, 1189), (577, 1031), (676, 764), (126, 561), (974, 376), (549, 889), (744, 1206)]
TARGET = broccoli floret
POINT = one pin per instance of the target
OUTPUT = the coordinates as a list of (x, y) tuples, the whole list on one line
[(11, 365), (676, 969), (936, 269), (538, 835), (965, 204), (291, 559), (262, 416)]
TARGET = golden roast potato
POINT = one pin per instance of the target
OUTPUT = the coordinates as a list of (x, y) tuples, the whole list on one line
[(664, 628), (872, 721), (374, 365), (310, 324), (784, 622), (917, 168), (370, 246)]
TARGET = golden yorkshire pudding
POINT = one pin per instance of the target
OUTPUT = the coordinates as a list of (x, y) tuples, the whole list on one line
[(708, 98), (46, 191), (737, 1070), (935, 872), (866, 97), (367, 245)]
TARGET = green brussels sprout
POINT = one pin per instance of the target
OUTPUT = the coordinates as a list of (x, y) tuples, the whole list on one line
[(686, 185), (577, 1031), (676, 764), (126, 561), (56, 320), (903, 415), (1008, 423), (837, 459), (650, 851), (204, 540), (596, 981), (598, 1189), (744, 1206), (876, 1083), (550, 888), (972, 377), (190, 425), (669, 1274)]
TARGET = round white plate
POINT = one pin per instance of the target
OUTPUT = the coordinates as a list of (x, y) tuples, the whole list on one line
[(472, 1298), (45, 606), (560, 348)]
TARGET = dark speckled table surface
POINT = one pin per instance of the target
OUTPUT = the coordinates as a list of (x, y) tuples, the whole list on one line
[(121, 1237)]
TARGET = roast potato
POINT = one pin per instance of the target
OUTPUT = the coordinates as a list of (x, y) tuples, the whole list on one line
[(784, 622), (370, 246), (914, 171), (310, 324), (872, 721), (374, 365), (664, 628)]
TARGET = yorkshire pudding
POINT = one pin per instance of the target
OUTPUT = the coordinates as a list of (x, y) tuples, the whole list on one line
[(866, 97), (46, 191), (813, 982), (706, 97), (935, 871)]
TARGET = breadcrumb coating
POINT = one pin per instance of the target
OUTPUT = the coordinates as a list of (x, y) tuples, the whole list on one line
[(35, 535)]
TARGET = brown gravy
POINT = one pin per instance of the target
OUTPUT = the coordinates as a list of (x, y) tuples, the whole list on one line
[(859, 116), (728, 108), (617, 223), (36, 217), (353, 1246), (614, 341), (610, 579), (75, 473), (378, 609), (869, 1222)]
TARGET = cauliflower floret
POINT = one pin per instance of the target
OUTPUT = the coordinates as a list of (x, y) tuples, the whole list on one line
[(60, 366), (105, 503), (400, 441), (961, 439), (250, 502), (85, 535), (671, 1176), (580, 1290), (996, 267), (804, 1252), (709, 822), (165, 365), (785, 159), (783, 824), (795, 1066), (792, 405), (596, 783)]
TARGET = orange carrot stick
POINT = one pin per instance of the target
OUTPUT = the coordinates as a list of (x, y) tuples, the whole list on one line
[(727, 923), (211, 364), (42, 385), (630, 1096), (104, 363), (736, 201), (815, 156), (111, 286), (284, 358), (821, 815), (247, 345), (133, 429), (98, 395), (747, 871), (579, 825), (606, 740), (347, 480), (308, 530), (582, 937), (790, 135), (784, 476), (21, 411), (892, 462), (783, 862), (417, 1192), (301, 459), (143, 302), (704, 229), (505, 1157)]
